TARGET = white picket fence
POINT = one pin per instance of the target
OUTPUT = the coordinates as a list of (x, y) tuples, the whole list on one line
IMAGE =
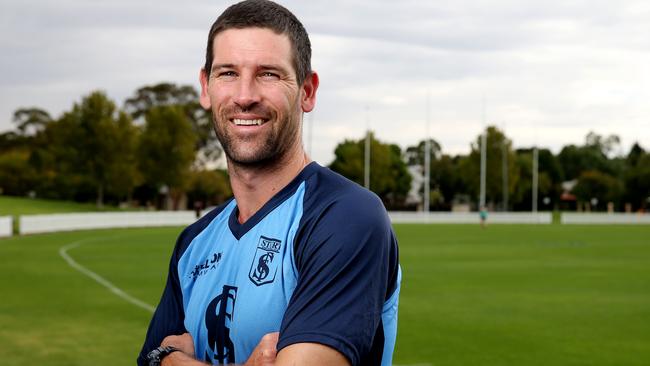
[(470, 217), (616, 218), (6, 226), (33, 224)]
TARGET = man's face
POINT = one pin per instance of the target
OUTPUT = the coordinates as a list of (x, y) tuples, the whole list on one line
[(255, 99)]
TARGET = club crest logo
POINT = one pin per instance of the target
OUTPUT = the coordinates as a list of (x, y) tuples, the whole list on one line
[(266, 261)]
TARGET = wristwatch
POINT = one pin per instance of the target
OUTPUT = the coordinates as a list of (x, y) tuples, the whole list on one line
[(156, 356)]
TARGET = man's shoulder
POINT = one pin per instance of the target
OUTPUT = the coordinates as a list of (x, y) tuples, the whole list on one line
[(329, 191)]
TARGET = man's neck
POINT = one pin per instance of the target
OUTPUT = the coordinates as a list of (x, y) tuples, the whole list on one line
[(254, 186)]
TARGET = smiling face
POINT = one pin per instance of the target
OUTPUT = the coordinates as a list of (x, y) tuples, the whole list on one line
[(255, 99)]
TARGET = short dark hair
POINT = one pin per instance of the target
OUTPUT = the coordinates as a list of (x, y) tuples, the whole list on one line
[(265, 14)]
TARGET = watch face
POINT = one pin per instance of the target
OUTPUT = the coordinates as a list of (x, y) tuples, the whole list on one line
[(156, 356)]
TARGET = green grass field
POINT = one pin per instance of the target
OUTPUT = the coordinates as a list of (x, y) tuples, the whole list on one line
[(15, 206), (507, 295)]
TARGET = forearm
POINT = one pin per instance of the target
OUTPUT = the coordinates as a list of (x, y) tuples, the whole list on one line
[(181, 359), (263, 355), (311, 354)]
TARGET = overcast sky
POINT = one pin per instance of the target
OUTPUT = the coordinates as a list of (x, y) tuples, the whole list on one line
[(549, 71)]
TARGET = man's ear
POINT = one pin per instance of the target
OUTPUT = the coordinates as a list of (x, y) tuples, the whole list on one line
[(204, 99), (309, 87)]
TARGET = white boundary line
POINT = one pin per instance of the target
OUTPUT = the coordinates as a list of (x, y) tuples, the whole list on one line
[(63, 252)]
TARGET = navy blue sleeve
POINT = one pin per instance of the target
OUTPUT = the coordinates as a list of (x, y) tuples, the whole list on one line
[(169, 315), (343, 254)]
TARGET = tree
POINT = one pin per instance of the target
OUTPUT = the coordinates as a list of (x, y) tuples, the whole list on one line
[(166, 150), (594, 184), (549, 179), (209, 187), (637, 178), (593, 155), (99, 145), (444, 181), (185, 97), (522, 195), (123, 174), (471, 169), (636, 153), (16, 176), (10, 140), (606, 145), (53, 157), (389, 177), (30, 121), (415, 154)]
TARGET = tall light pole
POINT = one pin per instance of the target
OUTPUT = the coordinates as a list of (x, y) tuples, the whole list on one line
[(427, 160), (483, 159), (366, 155)]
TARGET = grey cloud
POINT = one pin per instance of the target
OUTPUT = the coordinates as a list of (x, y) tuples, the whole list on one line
[(536, 61)]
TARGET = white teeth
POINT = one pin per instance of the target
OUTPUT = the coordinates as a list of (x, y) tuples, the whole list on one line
[(248, 122)]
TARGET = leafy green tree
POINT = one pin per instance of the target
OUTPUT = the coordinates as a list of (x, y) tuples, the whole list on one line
[(594, 184), (186, 98), (30, 121), (10, 140), (550, 180), (54, 156), (445, 181), (166, 150), (389, 177), (593, 155), (637, 178), (123, 174), (208, 187), (636, 153), (605, 144), (415, 154), (522, 195), (99, 145), (16, 175), (471, 168)]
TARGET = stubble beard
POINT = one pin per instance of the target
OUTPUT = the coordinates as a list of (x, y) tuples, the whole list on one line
[(269, 152)]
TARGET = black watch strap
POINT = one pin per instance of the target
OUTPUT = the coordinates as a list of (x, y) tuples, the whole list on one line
[(156, 356)]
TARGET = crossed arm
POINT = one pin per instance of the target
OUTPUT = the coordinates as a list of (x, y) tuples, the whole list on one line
[(264, 354)]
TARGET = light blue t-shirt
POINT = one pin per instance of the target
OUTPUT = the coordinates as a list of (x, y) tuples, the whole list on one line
[(318, 263)]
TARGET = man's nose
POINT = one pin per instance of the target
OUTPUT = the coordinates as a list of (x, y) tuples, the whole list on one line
[(247, 93)]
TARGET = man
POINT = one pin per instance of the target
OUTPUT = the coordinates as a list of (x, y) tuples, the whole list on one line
[(300, 250)]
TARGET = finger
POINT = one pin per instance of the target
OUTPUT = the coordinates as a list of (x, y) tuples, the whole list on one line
[(183, 342), (270, 339), (265, 357), (169, 340), (269, 355)]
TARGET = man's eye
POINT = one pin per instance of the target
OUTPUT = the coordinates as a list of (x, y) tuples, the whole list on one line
[(227, 74), (269, 75)]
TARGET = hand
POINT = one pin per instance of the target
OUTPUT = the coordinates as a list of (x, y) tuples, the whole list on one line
[(265, 352), (183, 342)]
